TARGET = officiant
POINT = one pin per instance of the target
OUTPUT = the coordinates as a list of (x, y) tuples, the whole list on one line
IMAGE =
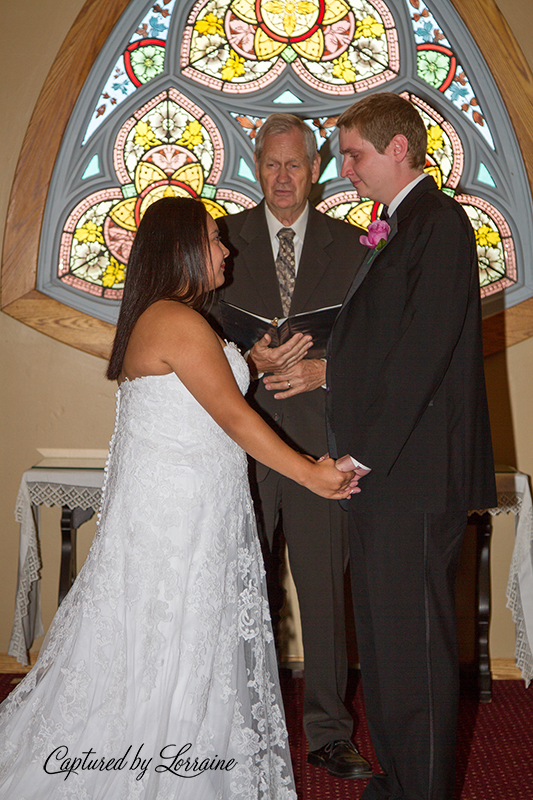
[(288, 258)]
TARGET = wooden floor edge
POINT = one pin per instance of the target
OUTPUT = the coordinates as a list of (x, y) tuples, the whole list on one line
[(10, 663), (502, 669)]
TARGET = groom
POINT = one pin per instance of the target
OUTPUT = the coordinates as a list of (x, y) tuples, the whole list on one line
[(407, 400)]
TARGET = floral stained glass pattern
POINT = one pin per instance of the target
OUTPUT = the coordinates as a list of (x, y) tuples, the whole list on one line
[(242, 60), (322, 127), (250, 125), (437, 65), (359, 57), (170, 149), (142, 61), (495, 249), (334, 46)]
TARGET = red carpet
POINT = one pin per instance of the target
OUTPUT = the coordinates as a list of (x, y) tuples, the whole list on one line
[(494, 752), (8, 681)]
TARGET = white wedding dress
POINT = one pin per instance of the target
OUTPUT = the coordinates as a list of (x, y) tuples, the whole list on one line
[(159, 670)]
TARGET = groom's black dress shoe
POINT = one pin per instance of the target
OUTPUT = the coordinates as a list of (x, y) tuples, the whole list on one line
[(341, 759)]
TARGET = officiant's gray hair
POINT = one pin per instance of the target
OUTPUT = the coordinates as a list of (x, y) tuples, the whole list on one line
[(276, 124)]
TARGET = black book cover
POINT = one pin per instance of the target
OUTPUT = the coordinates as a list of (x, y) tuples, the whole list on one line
[(245, 328)]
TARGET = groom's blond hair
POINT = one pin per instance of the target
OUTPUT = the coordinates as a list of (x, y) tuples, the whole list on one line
[(379, 117)]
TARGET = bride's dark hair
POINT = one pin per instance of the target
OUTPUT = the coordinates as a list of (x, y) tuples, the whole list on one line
[(169, 260)]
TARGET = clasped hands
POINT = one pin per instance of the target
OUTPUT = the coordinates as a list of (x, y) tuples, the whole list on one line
[(288, 371), (346, 464)]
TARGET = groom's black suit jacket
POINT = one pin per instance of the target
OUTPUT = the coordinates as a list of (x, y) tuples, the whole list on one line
[(405, 371)]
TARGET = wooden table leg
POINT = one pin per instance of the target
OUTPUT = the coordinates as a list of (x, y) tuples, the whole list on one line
[(71, 519), (483, 524)]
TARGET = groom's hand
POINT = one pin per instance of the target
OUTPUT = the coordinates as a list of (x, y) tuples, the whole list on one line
[(263, 358), (305, 376)]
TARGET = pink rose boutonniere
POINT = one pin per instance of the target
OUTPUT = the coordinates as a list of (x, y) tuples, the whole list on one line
[(378, 233)]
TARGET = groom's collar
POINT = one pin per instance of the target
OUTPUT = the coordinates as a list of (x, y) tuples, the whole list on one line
[(393, 205), (410, 201)]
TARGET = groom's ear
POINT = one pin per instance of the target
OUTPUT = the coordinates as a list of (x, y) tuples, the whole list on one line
[(399, 147)]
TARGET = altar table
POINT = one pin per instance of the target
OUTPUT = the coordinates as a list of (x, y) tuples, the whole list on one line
[(79, 491)]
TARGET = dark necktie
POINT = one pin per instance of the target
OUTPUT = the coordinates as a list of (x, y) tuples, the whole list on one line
[(286, 267), (384, 214)]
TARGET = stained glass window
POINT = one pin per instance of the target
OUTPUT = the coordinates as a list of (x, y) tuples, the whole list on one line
[(174, 102)]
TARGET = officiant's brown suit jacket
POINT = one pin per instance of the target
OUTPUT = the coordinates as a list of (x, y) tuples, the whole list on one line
[(330, 256), (315, 529)]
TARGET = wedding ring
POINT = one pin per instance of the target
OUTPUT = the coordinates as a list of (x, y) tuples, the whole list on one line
[(289, 385)]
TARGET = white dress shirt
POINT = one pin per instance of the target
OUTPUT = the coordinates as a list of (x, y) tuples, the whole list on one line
[(299, 228)]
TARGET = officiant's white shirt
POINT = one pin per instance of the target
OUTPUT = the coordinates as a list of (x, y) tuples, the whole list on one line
[(299, 227)]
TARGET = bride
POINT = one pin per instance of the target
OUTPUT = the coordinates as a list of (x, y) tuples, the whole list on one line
[(158, 676)]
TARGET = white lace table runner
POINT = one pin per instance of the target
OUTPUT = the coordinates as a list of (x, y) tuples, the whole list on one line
[(514, 495), (60, 494), (77, 488)]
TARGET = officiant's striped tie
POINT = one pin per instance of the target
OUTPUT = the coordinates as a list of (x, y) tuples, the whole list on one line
[(286, 267)]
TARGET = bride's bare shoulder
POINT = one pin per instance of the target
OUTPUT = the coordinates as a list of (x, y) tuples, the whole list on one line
[(170, 318), (174, 320), (163, 335), (167, 310)]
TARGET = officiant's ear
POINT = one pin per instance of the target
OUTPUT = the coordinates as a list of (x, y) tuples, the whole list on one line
[(399, 147), (315, 168)]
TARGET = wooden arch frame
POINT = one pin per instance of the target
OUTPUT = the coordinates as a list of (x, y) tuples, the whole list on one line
[(21, 300)]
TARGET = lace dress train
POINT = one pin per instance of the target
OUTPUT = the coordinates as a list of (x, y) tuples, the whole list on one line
[(158, 678)]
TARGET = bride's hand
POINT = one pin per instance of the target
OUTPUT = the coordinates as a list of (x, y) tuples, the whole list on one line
[(327, 481)]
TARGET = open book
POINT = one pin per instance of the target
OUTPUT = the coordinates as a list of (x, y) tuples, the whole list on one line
[(245, 328)]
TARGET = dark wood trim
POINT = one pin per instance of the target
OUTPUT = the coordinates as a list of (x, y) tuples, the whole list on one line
[(34, 169), (63, 323), (508, 327), (56, 102)]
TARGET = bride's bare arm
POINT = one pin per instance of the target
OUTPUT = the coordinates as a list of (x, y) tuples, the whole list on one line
[(170, 336)]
